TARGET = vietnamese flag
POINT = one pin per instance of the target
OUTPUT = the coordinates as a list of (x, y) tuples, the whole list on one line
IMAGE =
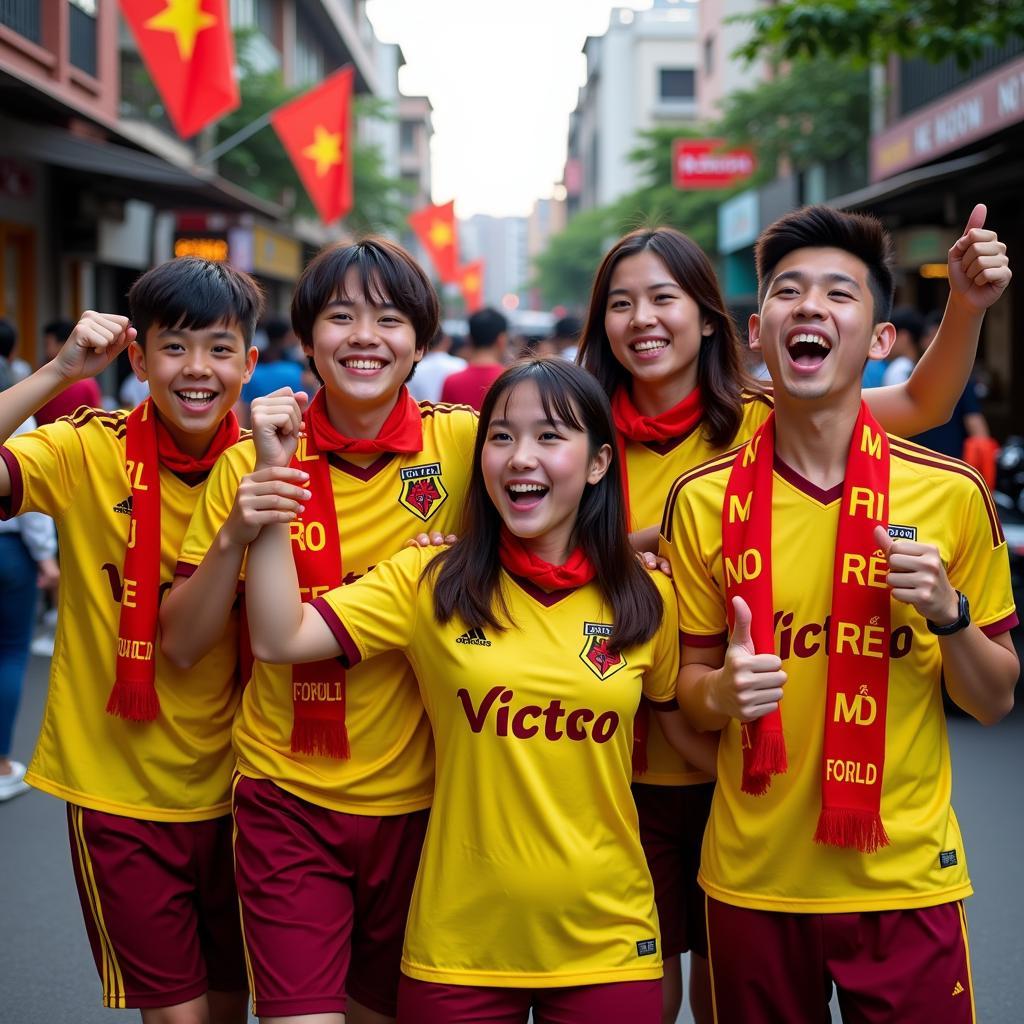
[(187, 48), (434, 226), (471, 281), (316, 130)]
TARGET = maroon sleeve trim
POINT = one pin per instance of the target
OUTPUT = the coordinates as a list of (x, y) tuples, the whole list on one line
[(663, 705), (1006, 623), (185, 569), (350, 656), (697, 640), (10, 505)]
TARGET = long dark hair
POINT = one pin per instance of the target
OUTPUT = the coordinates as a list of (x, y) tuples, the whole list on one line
[(720, 373), (468, 574)]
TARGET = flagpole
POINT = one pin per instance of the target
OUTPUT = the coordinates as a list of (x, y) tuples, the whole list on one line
[(237, 139)]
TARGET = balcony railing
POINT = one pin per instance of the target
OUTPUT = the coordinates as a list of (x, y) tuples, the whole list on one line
[(82, 51), (23, 17), (921, 82)]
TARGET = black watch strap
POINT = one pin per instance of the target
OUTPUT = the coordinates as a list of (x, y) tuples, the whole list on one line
[(962, 621)]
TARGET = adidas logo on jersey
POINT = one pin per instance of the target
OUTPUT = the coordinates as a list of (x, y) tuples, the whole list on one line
[(124, 506), (474, 636), (958, 989)]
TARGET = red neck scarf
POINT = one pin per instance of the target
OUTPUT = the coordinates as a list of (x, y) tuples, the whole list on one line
[(516, 559), (148, 445), (859, 631), (318, 688), (633, 425)]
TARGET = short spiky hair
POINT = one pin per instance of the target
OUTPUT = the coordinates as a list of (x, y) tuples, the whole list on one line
[(193, 293), (821, 227)]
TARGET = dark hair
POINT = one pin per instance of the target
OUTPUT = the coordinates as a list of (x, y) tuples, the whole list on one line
[(60, 329), (469, 573), (387, 275), (568, 327), (821, 227), (720, 374), (277, 328), (906, 318), (485, 326), (8, 338), (192, 293)]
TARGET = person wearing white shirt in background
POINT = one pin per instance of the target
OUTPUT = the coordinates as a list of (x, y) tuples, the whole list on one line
[(907, 349), (435, 368)]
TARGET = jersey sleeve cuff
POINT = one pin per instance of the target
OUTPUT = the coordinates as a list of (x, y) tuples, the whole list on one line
[(350, 656), (702, 639), (1003, 625), (10, 505), (671, 704), (185, 569)]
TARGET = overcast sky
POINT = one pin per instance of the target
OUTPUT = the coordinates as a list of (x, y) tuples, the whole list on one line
[(503, 77)]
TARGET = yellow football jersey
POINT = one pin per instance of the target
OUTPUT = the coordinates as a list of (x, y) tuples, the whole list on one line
[(178, 767), (391, 769), (652, 468), (759, 851), (532, 872)]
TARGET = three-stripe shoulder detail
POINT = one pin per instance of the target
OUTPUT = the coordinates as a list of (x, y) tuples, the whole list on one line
[(714, 465)]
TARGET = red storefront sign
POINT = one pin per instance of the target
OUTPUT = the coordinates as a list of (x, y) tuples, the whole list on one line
[(703, 163)]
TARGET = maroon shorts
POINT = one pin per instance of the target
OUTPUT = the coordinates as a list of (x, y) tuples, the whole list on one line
[(324, 900), (425, 1002), (888, 966), (672, 822), (160, 906)]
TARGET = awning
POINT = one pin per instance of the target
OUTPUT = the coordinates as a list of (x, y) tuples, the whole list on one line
[(91, 157), (890, 188)]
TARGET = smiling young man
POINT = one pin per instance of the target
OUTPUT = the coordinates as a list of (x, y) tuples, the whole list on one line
[(141, 751), (855, 570), (336, 767)]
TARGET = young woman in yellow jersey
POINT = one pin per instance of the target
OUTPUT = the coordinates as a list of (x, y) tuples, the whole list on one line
[(661, 341), (532, 638)]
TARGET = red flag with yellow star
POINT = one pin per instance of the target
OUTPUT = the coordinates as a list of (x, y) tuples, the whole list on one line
[(471, 281), (187, 48), (316, 130), (434, 226)]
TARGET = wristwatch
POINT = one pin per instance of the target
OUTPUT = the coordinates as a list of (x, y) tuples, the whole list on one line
[(962, 621)]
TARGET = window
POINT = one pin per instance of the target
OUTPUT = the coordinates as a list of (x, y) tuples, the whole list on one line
[(709, 55), (676, 84), (407, 136), (23, 17), (82, 32)]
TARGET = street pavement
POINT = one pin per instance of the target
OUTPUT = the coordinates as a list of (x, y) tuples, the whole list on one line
[(46, 970)]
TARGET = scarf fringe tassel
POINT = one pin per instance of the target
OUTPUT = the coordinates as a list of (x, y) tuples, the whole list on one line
[(639, 756), (134, 702), (844, 826), (321, 739)]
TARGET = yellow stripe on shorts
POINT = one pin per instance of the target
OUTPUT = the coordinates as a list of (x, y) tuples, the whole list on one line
[(241, 920), (113, 981)]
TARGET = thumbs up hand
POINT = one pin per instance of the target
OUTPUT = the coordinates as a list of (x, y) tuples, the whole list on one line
[(917, 577), (979, 269), (748, 686)]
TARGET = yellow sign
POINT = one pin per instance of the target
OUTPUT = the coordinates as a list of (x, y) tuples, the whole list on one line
[(274, 255), (206, 248)]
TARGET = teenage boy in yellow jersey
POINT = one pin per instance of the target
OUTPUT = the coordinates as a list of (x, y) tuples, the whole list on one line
[(336, 768), (855, 570), (141, 751)]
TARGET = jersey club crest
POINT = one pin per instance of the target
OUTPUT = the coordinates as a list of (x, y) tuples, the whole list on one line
[(423, 492), (596, 654)]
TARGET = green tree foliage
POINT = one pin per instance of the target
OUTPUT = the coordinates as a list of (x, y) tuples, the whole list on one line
[(261, 165), (817, 111), (871, 30)]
